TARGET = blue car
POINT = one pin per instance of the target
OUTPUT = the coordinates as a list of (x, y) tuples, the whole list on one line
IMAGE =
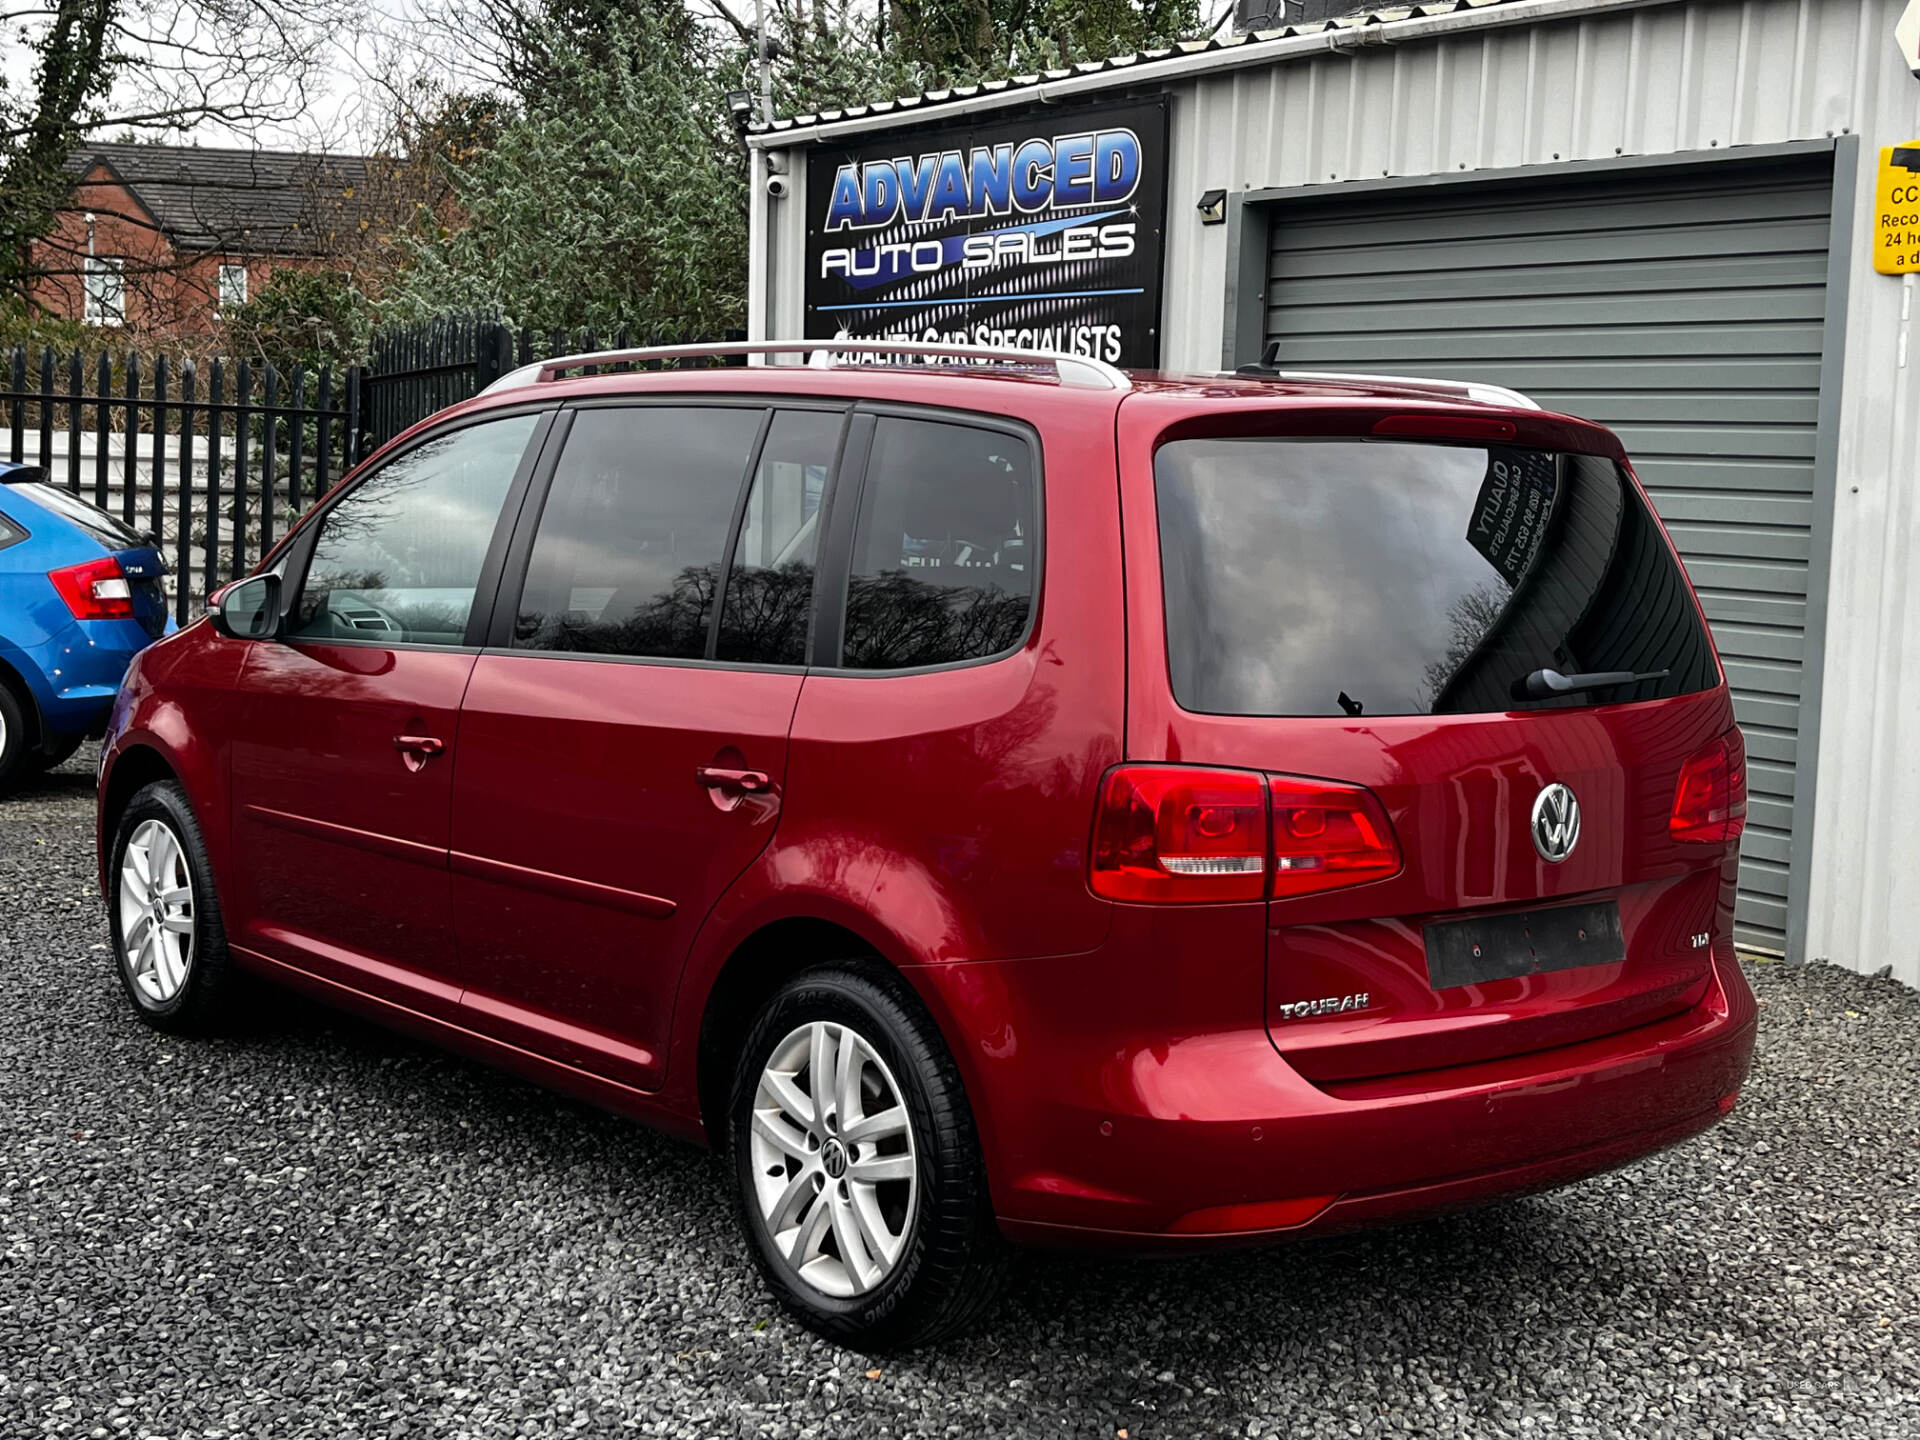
[(80, 595)]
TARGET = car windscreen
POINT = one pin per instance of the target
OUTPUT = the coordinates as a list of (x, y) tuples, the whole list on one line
[(96, 522), (1369, 577)]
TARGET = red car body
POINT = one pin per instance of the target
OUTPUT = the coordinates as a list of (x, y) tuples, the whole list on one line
[(556, 894)]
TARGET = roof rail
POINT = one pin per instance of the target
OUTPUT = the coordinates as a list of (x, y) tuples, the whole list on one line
[(1076, 370), (1478, 391)]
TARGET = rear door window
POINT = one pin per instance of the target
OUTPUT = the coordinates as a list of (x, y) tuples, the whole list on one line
[(769, 586), (1345, 577), (627, 557), (944, 552)]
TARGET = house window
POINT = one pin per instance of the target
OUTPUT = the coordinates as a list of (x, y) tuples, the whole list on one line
[(233, 286), (106, 291)]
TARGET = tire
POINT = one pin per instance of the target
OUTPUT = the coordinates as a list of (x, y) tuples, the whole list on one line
[(16, 740), (947, 1262), (179, 980)]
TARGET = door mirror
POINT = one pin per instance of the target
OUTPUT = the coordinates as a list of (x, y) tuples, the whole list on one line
[(249, 609)]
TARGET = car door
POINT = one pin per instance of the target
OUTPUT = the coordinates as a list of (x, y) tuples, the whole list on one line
[(343, 762), (624, 737), (985, 718)]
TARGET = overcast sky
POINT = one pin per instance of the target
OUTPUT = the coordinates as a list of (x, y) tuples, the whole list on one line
[(345, 104)]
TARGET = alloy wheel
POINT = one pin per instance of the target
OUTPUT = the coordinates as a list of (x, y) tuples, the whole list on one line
[(833, 1159), (156, 911)]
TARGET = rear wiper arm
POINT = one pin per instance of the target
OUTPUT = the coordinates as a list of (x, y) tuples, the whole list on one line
[(1545, 684)]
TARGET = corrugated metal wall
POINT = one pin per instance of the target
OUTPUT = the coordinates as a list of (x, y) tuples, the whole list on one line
[(1684, 309), (1649, 81), (1684, 77), (1675, 78), (1658, 79)]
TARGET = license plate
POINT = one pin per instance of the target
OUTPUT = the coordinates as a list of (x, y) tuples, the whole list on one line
[(1532, 942)]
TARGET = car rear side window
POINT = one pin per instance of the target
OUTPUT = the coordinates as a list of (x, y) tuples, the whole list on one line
[(944, 552), (398, 558), (769, 594), (627, 557), (1337, 577)]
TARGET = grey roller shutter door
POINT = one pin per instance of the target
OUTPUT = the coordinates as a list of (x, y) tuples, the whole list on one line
[(1682, 309)]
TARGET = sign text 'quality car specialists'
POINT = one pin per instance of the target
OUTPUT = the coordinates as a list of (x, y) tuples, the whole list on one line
[(1043, 234)]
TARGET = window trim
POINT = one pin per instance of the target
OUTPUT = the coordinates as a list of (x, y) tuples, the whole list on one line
[(513, 577), (299, 553), (831, 584)]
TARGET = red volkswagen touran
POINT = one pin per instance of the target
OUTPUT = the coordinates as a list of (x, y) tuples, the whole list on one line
[(1002, 802)]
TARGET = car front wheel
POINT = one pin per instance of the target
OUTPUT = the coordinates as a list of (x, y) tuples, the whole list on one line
[(860, 1184), (168, 936)]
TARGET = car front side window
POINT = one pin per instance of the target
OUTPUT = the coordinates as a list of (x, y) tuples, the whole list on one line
[(397, 560)]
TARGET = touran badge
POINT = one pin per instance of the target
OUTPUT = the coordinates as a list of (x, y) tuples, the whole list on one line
[(1556, 823), (1331, 1005)]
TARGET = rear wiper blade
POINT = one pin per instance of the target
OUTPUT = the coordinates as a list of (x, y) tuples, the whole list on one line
[(1545, 684)]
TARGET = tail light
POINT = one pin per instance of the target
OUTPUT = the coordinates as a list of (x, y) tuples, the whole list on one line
[(1183, 833), (95, 590), (1327, 836), (1710, 802), (1177, 832)]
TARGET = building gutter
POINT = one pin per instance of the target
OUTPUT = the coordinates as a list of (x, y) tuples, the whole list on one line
[(1343, 40)]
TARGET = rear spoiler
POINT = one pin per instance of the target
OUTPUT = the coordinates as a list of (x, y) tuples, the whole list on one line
[(1476, 391), (21, 474)]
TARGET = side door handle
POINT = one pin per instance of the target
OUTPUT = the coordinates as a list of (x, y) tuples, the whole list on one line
[(719, 777), (416, 750)]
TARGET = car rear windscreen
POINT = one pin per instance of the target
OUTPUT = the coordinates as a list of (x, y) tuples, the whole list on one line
[(1364, 577), (97, 523)]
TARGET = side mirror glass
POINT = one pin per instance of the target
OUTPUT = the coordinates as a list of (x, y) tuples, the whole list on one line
[(249, 609)]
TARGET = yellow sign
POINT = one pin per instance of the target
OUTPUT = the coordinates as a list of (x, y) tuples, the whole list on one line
[(1896, 222)]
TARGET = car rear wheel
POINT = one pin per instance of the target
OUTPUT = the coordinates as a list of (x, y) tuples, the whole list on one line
[(859, 1179), (169, 941), (16, 739)]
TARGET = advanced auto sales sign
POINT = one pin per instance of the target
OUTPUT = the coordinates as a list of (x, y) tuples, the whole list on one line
[(1041, 234)]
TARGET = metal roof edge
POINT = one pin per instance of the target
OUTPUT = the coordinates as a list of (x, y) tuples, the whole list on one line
[(1400, 24)]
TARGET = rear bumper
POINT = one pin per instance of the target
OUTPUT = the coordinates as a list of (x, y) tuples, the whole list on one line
[(1110, 1148), (1365, 1209)]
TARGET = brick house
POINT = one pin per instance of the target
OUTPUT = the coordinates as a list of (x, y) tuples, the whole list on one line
[(159, 238)]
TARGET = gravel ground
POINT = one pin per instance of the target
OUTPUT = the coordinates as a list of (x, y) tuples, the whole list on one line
[(317, 1229)]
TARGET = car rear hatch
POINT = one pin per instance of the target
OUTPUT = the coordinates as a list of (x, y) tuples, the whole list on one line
[(1487, 874), (146, 572), (139, 559)]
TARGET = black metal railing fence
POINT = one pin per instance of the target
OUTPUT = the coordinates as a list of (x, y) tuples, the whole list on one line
[(216, 459), (212, 467)]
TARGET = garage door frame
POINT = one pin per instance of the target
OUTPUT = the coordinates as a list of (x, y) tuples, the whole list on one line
[(1250, 218)]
